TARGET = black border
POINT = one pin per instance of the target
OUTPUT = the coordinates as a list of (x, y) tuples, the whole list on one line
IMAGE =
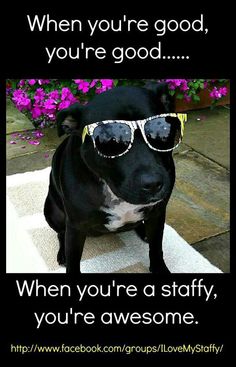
[(212, 60)]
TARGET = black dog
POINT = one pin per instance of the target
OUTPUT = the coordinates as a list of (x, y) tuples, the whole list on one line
[(102, 182)]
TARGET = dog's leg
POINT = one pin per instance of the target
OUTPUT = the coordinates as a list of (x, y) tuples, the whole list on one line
[(61, 255), (154, 231), (56, 219), (141, 232), (74, 244)]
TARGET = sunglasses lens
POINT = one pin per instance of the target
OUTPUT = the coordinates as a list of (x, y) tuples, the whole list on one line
[(163, 133), (112, 139)]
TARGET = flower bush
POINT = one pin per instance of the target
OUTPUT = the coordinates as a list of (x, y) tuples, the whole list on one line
[(41, 99), (188, 89)]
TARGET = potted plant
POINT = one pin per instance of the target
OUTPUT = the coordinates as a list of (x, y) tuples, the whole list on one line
[(41, 99), (199, 93)]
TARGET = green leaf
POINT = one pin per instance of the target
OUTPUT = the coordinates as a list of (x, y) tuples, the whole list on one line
[(180, 96), (171, 92), (196, 98), (14, 84)]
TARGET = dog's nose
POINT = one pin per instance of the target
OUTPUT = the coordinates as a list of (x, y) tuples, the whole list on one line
[(151, 184)]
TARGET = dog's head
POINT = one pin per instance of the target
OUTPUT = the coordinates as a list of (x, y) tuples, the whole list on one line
[(142, 175)]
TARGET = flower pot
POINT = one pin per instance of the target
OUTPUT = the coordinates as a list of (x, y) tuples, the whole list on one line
[(205, 101)]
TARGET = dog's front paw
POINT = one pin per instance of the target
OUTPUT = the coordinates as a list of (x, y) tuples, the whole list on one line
[(159, 269)]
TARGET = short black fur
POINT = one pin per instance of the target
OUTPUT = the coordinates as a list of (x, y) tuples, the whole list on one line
[(74, 206)]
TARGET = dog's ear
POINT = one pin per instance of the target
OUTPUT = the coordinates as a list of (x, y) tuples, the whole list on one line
[(68, 120), (164, 100)]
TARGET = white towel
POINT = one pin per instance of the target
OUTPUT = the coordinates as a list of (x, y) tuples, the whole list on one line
[(32, 245)]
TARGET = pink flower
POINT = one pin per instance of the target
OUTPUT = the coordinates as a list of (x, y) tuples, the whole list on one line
[(66, 94), (36, 112), (51, 116), (32, 81), (49, 104), (54, 94), (99, 90), (26, 103), (38, 134), (93, 83), (34, 142), (21, 100), (184, 85), (187, 98), (82, 85), (105, 85), (218, 93), (42, 98), (223, 91), (43, 81), (39, 95), (63, 104), (173, 83), (18, 93), (21, 83)]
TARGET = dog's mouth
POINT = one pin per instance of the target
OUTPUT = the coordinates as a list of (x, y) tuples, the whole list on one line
[(137, 197), (150, 201), (154, 201), (141, 200)]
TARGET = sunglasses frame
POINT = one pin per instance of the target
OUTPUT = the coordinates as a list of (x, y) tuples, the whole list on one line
[(134, 125)]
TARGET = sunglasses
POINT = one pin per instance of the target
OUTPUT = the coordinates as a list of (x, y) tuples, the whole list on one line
[(114, 138)]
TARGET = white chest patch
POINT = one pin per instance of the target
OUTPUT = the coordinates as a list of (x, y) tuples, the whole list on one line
[(120, 212)]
